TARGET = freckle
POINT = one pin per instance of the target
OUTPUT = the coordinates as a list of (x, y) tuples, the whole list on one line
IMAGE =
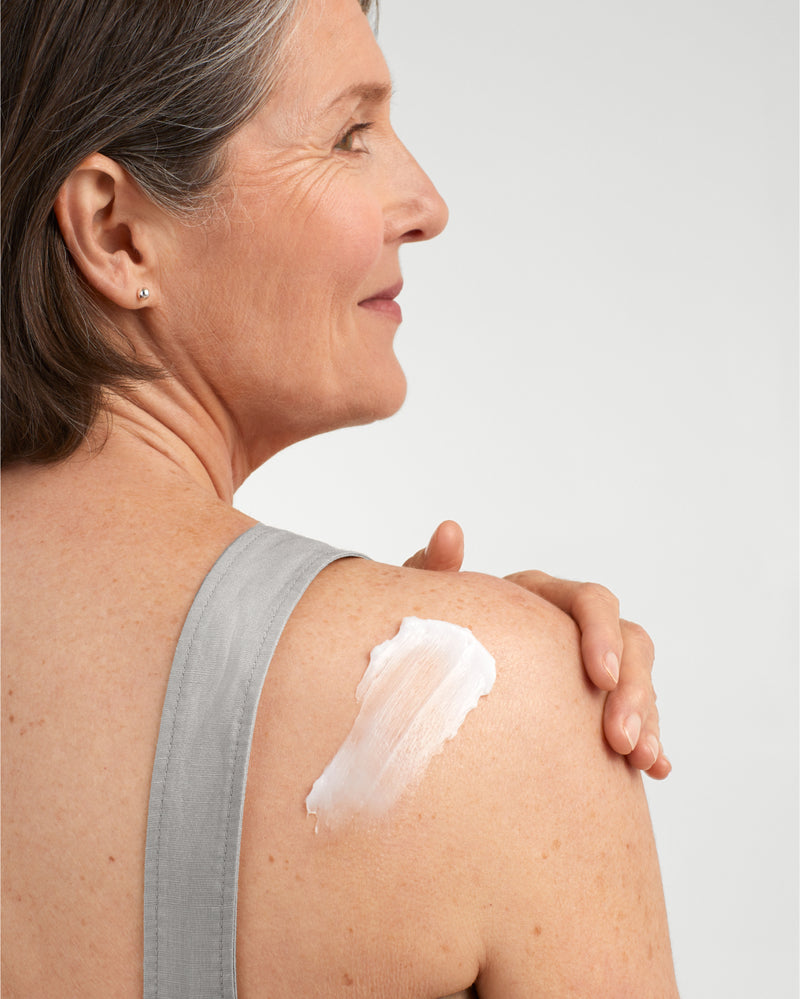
[(537, 931), (350, 929), (445, 948), (271, 859), (545, 854), (22, 731), (113, 861), (298, 878), (556, 844), (11, 718), (347, 979)]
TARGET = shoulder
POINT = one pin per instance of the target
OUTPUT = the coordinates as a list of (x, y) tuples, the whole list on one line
[(473, 864)]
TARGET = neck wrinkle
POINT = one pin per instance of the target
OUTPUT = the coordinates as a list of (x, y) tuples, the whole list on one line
[(182, 431)]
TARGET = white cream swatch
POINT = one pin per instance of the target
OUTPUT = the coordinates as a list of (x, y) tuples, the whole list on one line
[(417, 690)]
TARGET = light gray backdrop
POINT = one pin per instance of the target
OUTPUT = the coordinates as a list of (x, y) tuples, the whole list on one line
[(602, 358)]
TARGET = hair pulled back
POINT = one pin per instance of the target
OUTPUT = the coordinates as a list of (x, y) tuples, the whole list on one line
[(156, 85)]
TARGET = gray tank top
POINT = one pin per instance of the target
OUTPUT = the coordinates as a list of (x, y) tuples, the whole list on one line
[(194, 821)]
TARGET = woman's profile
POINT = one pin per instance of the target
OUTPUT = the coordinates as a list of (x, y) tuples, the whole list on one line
[(203, 211)]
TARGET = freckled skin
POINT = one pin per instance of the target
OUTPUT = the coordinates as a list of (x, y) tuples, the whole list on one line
[(417, 690), (256, 314)]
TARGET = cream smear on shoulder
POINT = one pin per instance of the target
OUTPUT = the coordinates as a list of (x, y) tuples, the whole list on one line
[(415, 694)]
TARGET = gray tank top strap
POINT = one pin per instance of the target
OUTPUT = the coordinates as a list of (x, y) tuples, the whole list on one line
[(194, 820)]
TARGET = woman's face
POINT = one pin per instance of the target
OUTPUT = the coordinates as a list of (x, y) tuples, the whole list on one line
[(281, 305)]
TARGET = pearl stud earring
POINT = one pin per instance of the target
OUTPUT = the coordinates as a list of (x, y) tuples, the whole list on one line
[(142, 294)]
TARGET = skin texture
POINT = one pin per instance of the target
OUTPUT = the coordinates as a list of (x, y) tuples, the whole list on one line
[(631, 704), (262, 312), (524, 817), (523, 865)]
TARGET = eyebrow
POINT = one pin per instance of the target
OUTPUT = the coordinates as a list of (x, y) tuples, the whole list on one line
[(368, 93)]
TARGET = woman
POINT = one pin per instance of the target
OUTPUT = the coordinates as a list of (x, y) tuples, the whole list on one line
[(205, 209)]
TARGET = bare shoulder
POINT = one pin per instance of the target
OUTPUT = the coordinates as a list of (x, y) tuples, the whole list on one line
[(523, 859), (98, 576)]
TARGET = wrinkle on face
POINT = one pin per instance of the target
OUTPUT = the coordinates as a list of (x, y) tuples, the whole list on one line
[(266, 297), (297, 183)]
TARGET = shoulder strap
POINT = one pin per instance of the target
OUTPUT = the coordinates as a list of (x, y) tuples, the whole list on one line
[(197, 791)]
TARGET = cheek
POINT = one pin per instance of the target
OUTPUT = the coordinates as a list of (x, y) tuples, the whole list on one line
[(334, 240), (279, 280), (308, 244), (354, 242)]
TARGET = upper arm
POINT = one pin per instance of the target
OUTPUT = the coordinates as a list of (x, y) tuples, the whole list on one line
[(523, 859), (572, 895)]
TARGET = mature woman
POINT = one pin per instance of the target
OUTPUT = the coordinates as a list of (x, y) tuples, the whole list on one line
[(203, 208)]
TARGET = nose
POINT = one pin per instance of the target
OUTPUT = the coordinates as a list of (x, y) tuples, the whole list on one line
[(416, 210)]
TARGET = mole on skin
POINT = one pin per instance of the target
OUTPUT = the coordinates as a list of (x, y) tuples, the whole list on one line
[(415, 694)]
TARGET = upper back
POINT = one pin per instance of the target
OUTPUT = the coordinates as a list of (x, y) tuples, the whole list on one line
[(96, 585), (466, 877)]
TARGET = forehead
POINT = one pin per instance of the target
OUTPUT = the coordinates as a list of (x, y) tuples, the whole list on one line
[(331, 56)]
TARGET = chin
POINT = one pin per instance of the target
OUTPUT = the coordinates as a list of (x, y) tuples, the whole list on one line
[(380, 402), (271, 432)]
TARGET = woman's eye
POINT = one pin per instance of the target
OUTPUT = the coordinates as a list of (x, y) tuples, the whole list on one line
[(345, 143)]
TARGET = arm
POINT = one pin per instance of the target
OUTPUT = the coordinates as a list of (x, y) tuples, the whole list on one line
[(507, 865), (570, 858), (618, 655)]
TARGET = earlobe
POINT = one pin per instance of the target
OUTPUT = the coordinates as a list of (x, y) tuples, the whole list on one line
[(96, 210)]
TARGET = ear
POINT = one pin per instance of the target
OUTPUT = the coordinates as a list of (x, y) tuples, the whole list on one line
[(106, 221)]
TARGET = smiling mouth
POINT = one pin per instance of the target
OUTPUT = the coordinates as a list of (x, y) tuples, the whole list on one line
[(384, 303)]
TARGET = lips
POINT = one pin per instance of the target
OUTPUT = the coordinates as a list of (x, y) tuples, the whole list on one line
[(384, 302)]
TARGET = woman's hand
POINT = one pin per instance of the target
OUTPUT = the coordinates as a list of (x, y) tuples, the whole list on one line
[(445, 551), (618, 655)]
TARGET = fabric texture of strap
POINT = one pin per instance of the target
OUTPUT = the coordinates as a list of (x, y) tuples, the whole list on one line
[(197, 791)]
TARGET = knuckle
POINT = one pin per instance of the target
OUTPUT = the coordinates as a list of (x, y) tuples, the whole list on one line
[(591, 594), (633, 696), (641, 700), (651, 721), (634, 634)]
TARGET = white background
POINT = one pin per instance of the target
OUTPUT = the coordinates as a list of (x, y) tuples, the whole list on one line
[(602, 360)]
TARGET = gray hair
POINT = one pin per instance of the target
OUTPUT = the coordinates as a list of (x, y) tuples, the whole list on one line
[(157, 85)]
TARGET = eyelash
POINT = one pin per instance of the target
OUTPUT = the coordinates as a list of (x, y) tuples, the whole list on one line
[(363, 126)]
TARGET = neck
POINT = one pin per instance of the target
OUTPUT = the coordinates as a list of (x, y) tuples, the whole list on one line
[(167, 420)]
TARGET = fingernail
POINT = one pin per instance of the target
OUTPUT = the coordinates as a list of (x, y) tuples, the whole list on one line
[(611, 664), (632, 729), (653, 746)]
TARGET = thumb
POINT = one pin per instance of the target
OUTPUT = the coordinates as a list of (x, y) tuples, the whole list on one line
[(445, 551)]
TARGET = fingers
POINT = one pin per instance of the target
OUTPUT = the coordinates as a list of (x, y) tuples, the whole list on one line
[(596, 612), (445, 551), (618, 657), (630, 719), (417, 560)]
